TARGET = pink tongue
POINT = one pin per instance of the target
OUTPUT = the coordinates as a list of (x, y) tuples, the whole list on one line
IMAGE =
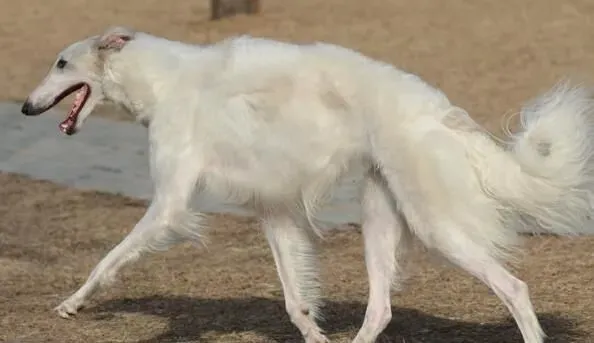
[(68, 126)]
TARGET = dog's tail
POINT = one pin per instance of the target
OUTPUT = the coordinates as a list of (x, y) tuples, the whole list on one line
[(547, 173)]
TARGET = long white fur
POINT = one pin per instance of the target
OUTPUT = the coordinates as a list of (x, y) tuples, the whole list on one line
[(273, 127)]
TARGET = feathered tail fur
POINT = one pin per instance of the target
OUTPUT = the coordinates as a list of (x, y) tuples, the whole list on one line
[(547, 174)]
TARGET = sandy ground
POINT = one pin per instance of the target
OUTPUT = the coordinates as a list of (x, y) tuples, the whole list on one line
[(487, 55)]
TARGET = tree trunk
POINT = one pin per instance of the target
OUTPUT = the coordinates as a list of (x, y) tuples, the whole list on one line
[(226, 8)]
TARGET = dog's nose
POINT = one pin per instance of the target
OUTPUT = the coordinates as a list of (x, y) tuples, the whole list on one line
[(27, 108)]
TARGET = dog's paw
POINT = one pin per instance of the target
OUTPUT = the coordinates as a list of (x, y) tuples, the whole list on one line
[(316, 337), (68, 308)]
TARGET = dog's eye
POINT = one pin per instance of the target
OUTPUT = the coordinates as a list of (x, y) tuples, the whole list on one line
[(61, 63)]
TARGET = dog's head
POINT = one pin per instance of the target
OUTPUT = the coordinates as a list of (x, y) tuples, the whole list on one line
[(78, 69)]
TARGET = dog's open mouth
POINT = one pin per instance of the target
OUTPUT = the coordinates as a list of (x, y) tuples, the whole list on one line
[(68, 126)]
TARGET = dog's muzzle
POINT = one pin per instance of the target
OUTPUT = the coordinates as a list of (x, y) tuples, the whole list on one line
[(29, 109)]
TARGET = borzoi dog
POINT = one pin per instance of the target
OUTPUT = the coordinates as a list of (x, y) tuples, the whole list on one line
[(273, 126)]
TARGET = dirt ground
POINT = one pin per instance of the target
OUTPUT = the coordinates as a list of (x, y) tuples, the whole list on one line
[(52, 237), (488, 56)]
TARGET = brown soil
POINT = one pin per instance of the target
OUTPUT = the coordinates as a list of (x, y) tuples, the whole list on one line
[(51, 237), (487, 55)]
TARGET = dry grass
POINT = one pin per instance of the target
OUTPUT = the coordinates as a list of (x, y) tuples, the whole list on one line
[(52, 237), (487, 55)]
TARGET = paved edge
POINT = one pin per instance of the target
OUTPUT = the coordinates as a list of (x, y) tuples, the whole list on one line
[(112, 156), (109, 156)]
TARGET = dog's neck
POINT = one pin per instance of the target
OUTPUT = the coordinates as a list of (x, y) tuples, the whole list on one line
[(135, 77), (127, 89), (148, 69)]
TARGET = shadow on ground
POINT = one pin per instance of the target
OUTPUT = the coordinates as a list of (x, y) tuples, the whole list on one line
[(189, 318)]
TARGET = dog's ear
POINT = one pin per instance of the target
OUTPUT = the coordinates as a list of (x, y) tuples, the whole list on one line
[(115, 38)]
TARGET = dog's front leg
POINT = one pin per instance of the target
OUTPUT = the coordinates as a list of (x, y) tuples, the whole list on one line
[(295, 260), (167, 221)]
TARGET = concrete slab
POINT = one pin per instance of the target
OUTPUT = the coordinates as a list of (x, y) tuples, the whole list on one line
[(110, 156), (106, 156)]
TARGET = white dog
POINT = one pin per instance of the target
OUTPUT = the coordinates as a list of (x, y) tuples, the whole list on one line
[(273, 126)]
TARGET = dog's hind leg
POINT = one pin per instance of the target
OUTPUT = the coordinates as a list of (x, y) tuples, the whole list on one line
[(166, 222), (464, 227), (294, 256), (385, 235), (513, 292)]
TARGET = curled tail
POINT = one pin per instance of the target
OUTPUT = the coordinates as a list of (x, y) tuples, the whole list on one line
[(547, 174)]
